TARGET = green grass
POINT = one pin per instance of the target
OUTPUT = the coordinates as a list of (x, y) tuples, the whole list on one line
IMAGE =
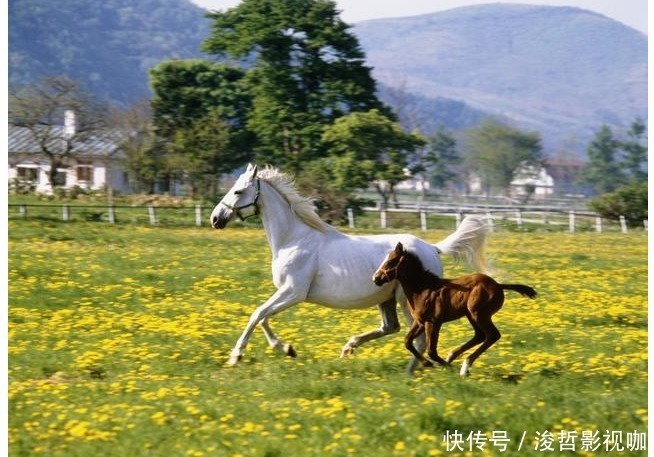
[(118, 337)]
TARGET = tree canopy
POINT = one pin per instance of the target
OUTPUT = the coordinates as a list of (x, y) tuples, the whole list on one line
[(496, 151), (304, 70)]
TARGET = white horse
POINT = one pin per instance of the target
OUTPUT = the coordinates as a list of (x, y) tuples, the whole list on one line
[(313, 262)]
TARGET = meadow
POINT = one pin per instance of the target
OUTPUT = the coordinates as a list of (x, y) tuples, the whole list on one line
[(118, 335)]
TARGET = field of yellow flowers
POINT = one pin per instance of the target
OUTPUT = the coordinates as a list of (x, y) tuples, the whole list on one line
[(118, 336)]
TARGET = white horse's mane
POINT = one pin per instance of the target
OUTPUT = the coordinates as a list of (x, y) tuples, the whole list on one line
[(303, 207)]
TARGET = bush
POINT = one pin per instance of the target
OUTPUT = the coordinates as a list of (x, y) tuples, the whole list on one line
[(628, 201)]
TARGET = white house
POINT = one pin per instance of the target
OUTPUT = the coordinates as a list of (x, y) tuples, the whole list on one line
[(95, 162)]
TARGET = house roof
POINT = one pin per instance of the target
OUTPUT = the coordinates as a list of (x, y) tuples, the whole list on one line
[(22, 140)]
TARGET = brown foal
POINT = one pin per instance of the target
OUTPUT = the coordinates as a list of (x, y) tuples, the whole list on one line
[(434, 301)]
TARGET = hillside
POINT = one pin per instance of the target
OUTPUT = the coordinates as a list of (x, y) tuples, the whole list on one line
[(109, 45), (559, 70)]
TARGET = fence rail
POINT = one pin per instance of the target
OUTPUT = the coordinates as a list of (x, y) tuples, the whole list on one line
[(411, 215)]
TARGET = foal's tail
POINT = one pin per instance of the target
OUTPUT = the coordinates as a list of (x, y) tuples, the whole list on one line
[(467, 243), (520, 288)]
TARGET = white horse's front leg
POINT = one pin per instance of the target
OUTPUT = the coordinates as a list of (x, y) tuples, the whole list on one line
[(275, 343), (281, 300)]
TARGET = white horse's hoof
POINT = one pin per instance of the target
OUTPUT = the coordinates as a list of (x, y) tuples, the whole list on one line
[(233, 361)]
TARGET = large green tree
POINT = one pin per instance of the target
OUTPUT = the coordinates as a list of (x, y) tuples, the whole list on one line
[(496, 151), (200, 111), (305, 69), (367, 147)]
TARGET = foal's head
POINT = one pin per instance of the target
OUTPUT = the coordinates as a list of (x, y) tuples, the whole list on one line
[(389, 269)]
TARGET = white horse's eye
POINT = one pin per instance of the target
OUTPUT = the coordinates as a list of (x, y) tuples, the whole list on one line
[(238, 192)]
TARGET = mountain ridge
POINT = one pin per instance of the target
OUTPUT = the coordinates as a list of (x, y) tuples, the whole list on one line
[(561, 71), (547, 68)]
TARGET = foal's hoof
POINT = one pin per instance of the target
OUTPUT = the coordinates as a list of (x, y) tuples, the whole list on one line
[(289, 351), (427, 364), (465, 369)]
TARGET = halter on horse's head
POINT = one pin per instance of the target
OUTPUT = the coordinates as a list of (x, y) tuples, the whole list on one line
[(244, 195), (388, 270)]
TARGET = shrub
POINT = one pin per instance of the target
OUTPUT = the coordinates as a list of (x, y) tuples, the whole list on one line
[(628, 201)]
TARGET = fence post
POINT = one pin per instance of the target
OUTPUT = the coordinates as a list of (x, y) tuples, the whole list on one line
[(518, 218), (571, 222), (645, 224), (382, 218), (458, 216), (623, 224), (350, 218), (112, 214), (489, 217), (153, 216), (598, 224), (22, 211), (65, 213), (423, 221), (198, 215)]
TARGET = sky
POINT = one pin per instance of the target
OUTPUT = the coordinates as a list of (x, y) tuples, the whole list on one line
[(630, 12)]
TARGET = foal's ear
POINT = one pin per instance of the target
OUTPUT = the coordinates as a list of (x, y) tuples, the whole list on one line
[(399, 249)]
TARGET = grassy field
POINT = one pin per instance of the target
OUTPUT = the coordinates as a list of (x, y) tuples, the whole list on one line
[(118, 336)]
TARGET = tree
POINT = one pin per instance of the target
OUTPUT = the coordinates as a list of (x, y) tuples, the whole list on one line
[(635, 152), (136, 137), (304, 69), (603, 171), (41, 108), (629, 201), (497, 151), (369, 147), (201, 109), (199, 152), (441, 159)]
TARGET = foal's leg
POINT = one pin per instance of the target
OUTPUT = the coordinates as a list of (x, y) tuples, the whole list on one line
[(390, 324), (491, 337), (419, 343), (416, 330), (478, 338), (432, 330)]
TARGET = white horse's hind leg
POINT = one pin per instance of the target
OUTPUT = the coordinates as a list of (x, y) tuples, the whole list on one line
[(390, 324), (275, 343)]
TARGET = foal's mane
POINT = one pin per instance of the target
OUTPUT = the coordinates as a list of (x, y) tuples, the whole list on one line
[(302, 206), (427, 277)]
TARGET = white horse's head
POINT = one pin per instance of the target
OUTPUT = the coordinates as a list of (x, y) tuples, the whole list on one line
[(241, 200)]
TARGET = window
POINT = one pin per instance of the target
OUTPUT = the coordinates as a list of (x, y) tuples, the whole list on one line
[(84, 170), (28, 174)]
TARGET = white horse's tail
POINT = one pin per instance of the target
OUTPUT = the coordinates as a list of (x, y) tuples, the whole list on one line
[(467, 243)]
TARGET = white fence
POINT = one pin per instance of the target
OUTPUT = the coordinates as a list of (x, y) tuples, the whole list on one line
[(497, 217)]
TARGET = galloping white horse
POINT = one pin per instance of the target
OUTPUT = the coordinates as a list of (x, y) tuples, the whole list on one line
[(308, 261)]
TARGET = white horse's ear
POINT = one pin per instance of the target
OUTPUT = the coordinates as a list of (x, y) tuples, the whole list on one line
[(251, 171)]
